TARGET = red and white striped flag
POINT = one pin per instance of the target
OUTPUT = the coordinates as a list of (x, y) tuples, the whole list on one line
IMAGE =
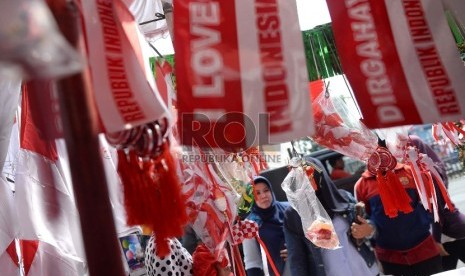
[(240, 72), (401, 60), (44, 202)]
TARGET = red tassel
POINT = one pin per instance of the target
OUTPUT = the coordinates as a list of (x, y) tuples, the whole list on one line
[(152, 196), (401, 196), (131, 181), (386, 198), (169, 205)]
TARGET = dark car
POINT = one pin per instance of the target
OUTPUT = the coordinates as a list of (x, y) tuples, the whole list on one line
[(354, 167)]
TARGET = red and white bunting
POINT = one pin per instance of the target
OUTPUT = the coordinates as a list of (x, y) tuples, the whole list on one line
[(401, 60), (124, 96), (241, 73)]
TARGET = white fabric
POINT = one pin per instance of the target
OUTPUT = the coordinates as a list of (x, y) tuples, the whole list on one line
[(9, 96), (345, 261), (8, 223), (50, 261), (47, 211), (145, 11), (7, 267), (252, 255)]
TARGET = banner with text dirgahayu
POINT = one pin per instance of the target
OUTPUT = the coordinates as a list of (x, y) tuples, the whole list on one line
[(241, 73), (401, 60)]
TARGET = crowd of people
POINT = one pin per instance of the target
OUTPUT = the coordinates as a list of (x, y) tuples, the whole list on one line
[(371, 243)]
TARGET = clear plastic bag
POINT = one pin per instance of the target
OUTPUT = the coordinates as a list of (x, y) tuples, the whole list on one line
[(211, 202), (31, 42), (316, 223), (336, 129)]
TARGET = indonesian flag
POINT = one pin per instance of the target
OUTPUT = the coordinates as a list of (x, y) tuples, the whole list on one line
[(401, 60), (241, 73), (46, 213)]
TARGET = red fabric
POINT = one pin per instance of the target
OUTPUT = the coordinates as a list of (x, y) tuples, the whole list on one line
[(30, 135), (353, 62), (244, 229), (28, 251), (423, 251), (161, 69), (204, 262), (338, 174), (11, 250), (316, 87), (152, 194)]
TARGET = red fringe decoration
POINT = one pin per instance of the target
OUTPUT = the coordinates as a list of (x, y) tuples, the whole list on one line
[(387, 199), (401, 197), (152, 196)]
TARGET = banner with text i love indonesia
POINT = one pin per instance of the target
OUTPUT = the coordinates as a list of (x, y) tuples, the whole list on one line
[(124, 96), (401, 60), (241, 73)]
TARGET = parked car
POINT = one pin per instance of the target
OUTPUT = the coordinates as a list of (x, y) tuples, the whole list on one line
[(352, 166)]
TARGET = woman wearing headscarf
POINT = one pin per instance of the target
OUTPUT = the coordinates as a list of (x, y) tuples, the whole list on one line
[(268, 213)]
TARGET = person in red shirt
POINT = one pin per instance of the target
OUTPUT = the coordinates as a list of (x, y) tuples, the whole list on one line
[(337, 163)]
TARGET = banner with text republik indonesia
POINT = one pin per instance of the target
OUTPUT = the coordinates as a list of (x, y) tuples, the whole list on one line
[(400, 59), (241, 73)]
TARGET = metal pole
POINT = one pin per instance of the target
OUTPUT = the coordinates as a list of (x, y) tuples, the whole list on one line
[(81, 128)]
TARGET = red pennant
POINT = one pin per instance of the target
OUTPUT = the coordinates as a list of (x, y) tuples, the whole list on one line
[(28, 252), (11, 250)]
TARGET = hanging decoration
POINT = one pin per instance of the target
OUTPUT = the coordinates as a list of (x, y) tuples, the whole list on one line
[(391, 191), (320, 52), (453, 131), (240, 72), (152, 190), (123, 95), (401, 72), (316, 222), (332, 131), (210, 201)]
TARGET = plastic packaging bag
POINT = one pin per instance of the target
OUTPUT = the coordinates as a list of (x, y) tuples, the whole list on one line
[(211, 202), (31, 42), (335, 129), (317, 224)]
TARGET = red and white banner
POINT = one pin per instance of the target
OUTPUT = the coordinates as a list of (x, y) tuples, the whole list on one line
[(240, 70), (124, 96), (401, 60)]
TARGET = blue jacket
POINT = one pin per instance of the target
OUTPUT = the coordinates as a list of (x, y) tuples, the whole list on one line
[(271, 224), (304, 257)]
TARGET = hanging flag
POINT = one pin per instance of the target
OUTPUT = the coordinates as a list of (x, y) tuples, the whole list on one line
[(241, 73), (123, 94), (401, 60), (44, 201)]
